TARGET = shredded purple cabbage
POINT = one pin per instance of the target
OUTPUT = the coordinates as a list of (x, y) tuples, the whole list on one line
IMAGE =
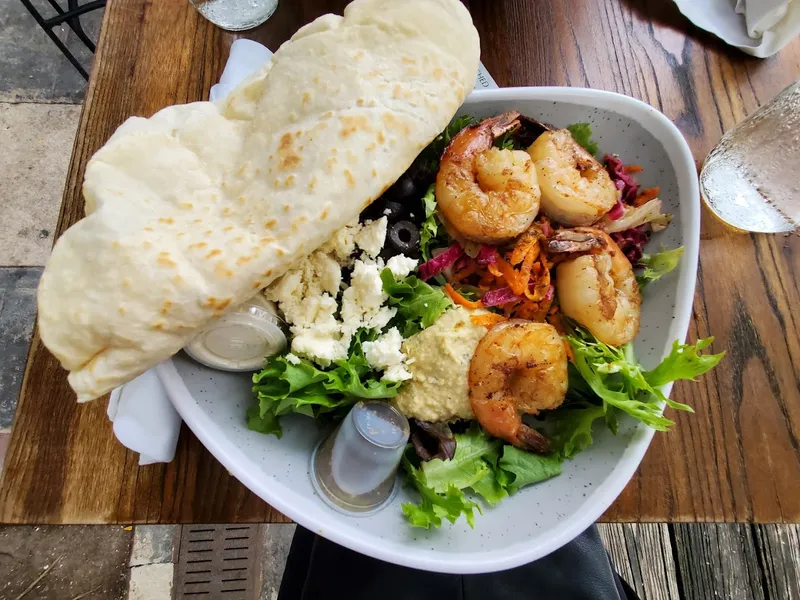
[(499, 297), (622, 179), (487, 255), (439, 263), (617, 212), (632, 242)]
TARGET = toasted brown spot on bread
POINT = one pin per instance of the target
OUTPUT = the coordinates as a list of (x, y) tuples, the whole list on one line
[(213, 253), (270, 224), (348, 175), (166, 220), (289, 162)]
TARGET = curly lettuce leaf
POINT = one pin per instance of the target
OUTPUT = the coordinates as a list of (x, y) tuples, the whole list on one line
[(582, 132), (527, 468), (573, 427), (617, 378), (467, 466), (283, 387), (657, 265), (418, 304), (434, 507), (481, 465)]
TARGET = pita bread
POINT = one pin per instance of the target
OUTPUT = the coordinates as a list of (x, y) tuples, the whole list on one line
[(192, 211)]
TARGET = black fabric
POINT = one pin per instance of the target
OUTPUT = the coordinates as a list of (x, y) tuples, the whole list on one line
[(321, 570)]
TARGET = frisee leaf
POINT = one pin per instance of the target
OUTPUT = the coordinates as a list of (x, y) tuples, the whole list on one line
[(418, 304), (283, 387), (582, 132), (621, 382), (657, 265), (430, 226), (684, 362)]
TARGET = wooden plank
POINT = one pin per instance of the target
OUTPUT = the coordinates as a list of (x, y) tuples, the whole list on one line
[(718, 561), (64, 464), (778, 549), (643, 556), (737, 458)]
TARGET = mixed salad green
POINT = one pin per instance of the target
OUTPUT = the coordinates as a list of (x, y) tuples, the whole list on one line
[(605, 383)]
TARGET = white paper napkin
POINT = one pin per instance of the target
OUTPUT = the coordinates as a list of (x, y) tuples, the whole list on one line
[(758, 27), (143, 416)]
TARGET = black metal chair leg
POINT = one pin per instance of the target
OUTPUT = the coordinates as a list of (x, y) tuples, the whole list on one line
[(64, 50), (75, 24), (72, 18)]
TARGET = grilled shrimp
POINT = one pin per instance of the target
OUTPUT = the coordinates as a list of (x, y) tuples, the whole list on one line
[(486, 194), (600, 292), (518, 367), (576, 189)]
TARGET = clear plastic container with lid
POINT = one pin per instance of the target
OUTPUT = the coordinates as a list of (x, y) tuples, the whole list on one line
[(355, 468), (241, 340)]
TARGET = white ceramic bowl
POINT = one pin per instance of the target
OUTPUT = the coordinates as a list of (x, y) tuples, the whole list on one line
[(538, 519)]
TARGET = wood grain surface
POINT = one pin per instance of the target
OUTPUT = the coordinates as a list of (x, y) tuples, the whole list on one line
[(736, 459)]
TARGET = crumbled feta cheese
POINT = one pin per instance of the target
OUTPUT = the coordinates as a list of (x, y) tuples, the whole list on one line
[(308, 293), (321, 348), (291, 358), (401, 265), (362, 302), (371, 237), (385, 354), (342, 244)]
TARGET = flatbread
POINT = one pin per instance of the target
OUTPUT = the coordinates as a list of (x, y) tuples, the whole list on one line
[(192, 211)]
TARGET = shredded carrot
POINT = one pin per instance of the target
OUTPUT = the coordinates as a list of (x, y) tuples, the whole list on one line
[(633, 169), (645, 195), (495, 271), (459, 299), (470, 269), (527, 266), (525, 245), (512, 277), (488, 320)]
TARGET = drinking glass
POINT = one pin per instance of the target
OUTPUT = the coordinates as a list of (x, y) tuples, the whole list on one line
[(750, 179), (236, 15)]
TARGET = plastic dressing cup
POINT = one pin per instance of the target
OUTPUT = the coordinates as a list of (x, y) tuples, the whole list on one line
[(354, 469), (241, 340)]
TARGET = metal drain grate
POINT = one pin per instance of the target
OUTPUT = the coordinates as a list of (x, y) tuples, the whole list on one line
[(219, 562)]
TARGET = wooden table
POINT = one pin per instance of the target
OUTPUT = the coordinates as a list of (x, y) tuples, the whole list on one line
[(736, 459)]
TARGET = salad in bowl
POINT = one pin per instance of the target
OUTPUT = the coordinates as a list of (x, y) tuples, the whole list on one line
[(492, 295)]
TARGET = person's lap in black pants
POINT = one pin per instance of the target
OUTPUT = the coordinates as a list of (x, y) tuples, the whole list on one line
[(321, 570)]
